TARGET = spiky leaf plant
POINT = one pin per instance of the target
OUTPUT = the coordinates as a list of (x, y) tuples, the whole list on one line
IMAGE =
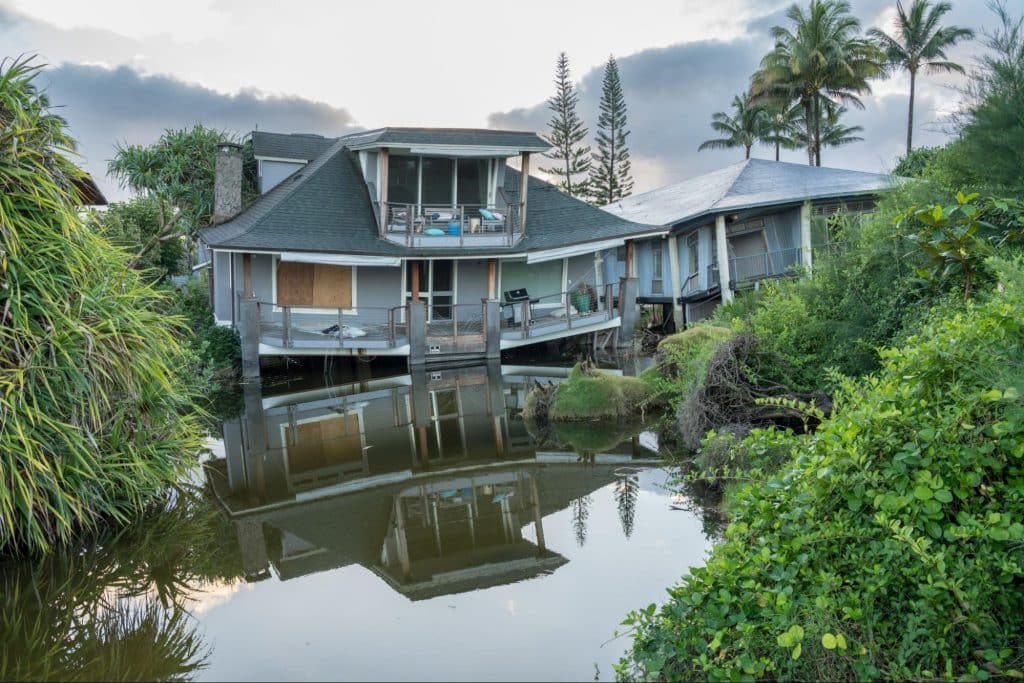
[(95, 417)]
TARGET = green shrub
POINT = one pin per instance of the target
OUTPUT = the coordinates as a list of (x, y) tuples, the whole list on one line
[(891, 544), (681, 361), (95, 409)]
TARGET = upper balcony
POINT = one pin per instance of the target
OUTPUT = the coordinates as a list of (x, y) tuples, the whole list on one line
[(459, 225)]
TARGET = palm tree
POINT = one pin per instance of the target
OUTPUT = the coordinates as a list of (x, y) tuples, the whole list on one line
[(745, 128), (823, 55), (783, 126), (832, 132), (920, 43)]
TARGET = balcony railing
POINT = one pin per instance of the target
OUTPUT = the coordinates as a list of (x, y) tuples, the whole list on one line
[(319, 327), (558, 312), (745, 270), (417, 225)]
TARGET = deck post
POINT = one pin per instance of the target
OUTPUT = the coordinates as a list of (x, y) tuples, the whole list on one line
[(722, 245), (249, 336), (492, 328), (806, 251), (417, 334), (628, 288), (677, 284), (252, 546)]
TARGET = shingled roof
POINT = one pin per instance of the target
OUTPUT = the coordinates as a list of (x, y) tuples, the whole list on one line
[(305, 146), (326, 207), (746, 185)]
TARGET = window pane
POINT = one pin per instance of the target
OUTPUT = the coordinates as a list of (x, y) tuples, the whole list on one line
[(402, 179), (541, 280), (437, 181), (472, 181), (442, 276)]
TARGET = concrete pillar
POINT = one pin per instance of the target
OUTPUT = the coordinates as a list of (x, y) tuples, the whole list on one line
[(492, 328), (628, 289), (252, 545), (417, 320), (249, 335), (722, 244), (676, 282), (806, 250)]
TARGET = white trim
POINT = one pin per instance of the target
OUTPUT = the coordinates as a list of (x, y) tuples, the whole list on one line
[(340, 259), (451, 150), (288, 160), (573, 250), (277, 307)]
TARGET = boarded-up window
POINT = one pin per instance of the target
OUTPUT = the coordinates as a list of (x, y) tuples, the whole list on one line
[(324, 443), (309, 284)]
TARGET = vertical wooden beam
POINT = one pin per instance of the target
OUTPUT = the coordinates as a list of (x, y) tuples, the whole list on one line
[(523, 186), (492, 278), (722, 245), (247, 274), (630, 259), (414, 286)]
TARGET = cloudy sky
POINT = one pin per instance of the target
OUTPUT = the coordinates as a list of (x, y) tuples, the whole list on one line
[(124, 71)]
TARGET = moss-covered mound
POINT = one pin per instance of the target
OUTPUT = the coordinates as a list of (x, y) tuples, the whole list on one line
[(590, 394)]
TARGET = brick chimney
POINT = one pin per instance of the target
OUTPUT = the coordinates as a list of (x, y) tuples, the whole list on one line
[(227, 184)]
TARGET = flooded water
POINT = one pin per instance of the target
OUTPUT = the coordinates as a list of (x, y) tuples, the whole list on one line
[(407, 527)]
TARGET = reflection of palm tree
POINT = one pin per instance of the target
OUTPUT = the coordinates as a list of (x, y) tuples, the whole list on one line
[(627, 488), (580, 513)]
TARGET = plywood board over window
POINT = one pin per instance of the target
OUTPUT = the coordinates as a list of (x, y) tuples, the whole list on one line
[(314, 284)]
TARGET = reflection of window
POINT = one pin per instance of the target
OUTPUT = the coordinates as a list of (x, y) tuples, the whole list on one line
[(657, 285)]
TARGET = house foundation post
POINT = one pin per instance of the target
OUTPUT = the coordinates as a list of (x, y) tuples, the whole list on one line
[(252, 545), (249, 336), (417, 318), (677, 285), (806, 249), (722, 246), (628, 289), (492, 328)]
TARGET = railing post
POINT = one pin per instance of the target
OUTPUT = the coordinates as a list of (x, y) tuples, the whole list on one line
[(249, 335), (525, 317), (608, 301), (492, 327), (341, 330), (287, 325), (391, 327), (568, 310), (455, 323)]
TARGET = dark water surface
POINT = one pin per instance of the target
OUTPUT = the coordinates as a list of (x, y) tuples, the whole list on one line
[(407, 527)]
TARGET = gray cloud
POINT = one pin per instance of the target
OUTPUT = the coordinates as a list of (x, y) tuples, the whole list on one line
[(672, 92), (106, 106)]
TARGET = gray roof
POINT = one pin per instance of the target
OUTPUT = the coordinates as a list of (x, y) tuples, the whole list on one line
[(483, 137), (326, 207), (749, 184), (305, 146)]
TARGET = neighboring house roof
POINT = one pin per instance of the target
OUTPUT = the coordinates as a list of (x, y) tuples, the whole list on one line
[(305, 146), (326, 207), (749, 184), (89, 192), (457, 137)]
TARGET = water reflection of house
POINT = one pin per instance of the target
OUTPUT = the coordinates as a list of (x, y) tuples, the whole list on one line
[(423, 480)]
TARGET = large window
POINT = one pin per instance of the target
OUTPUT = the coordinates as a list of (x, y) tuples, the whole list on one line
[(437, 181), (542, 281), (472, 179), (402, 179)]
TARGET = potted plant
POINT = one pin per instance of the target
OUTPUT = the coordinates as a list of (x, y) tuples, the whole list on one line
[(581, 298)]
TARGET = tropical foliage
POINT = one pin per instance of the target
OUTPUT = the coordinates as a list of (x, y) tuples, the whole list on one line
[(610, 176), (890, 544), (567, 135), (140, 227), (748, 125), (94, 406), (920, 44)]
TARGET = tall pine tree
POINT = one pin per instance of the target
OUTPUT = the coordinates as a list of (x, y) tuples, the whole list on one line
[(610, 178), (567, 132)]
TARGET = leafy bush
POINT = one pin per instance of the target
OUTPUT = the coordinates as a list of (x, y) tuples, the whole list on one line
[(95, 408), (218, 348), (890, 545), (682, 360)]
